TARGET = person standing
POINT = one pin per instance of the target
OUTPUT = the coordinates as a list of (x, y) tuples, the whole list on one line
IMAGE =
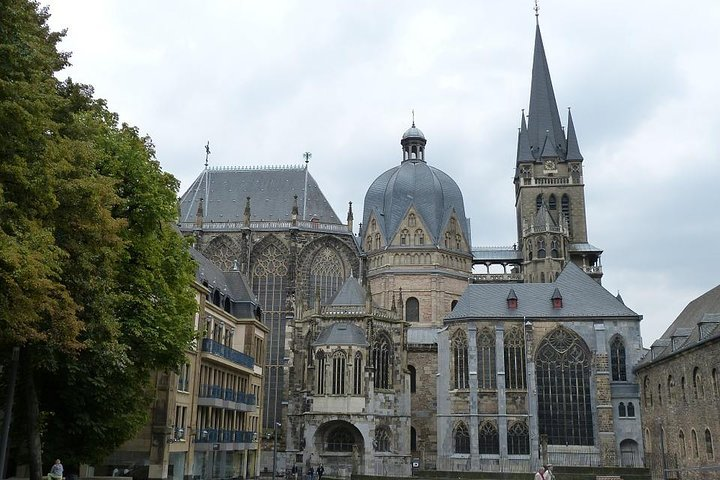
[(311, 473), (56, 471), (320, 471), (540, 475), (549, 475)]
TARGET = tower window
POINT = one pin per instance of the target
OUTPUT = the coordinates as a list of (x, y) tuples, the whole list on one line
[(413, 378), (338, 381), (622, 411), (382, 361), (518, 439), (461, 437), (552, 202), (460, 360), (617, 359), (358, 374), (412, 310), (486, 359), (489, 439), (514, 360), (538, 202), (320, 390)]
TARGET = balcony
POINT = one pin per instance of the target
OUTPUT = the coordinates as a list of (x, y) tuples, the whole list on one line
[(219, 439), (211, 346), (216, 396)]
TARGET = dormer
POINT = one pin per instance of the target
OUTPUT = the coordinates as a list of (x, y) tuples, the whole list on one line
[(557, 299), (512, 300)]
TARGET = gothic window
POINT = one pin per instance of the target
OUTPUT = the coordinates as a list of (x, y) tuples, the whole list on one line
[(269, 274), (563, 389), (697, 384), (682, 388), (382, 439), (461, 438), (453, 304), (216, 297), (715, 385), (411, 220), (338, 373), (518, 439), (489, 439), (709, 444), (413, 379), (419, 237), (221, 253), (617, 359), (368, 243), (458, 241), (538, 202), (460, 360), (404, 236), (660, 398), (326, 274), (552, 202), (696, 452), (631, 410), (340, 440), (320, 371), (541, 248), (647, 393), (622, 411), (683, 445), (514, 360), (486, 359), (226, 304), (382, 361), (357, 374), (565, 209), (413, 439), (412, 310), (529, 249), (448, 238), (377, 240), (555, 248)]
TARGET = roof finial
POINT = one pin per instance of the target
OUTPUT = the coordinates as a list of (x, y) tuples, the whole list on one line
[(207, 153), (537, 12), (413, 115)]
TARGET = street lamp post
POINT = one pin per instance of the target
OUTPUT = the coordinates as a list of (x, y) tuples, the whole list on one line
[(275, 449)]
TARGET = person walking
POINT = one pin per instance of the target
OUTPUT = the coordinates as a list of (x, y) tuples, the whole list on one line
[(540, 475), (549, 475), (56, 471), (311, 473), (320, 471)]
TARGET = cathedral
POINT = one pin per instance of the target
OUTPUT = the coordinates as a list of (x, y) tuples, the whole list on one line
[(392, 346)]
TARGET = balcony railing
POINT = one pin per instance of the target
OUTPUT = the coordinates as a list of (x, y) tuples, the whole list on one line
[(216, 391), (211, 435), (243, 359)]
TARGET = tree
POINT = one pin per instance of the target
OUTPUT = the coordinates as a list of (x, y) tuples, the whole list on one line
[(94, 280)]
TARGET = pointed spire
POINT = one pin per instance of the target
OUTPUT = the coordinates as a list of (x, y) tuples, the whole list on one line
[(543, 220), (199, 214), (573, 150), (350, 217), (294, 211), (523, 149), (548, 149), (543, 116), (246, 215)]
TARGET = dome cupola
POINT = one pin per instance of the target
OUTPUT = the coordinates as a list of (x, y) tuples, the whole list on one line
[(413, 144)]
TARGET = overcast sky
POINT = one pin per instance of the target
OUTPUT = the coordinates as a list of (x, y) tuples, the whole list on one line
[(265, 81)]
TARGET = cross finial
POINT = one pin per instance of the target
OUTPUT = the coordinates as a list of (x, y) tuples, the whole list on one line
[(537, 11), (207, 153), (307, 156), (413, 116)]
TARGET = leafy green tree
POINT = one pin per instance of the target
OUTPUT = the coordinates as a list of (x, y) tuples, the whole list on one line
[(94, 280)]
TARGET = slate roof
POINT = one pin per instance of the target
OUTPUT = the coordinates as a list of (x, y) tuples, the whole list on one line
[(233, 284), (342, 334), (271, 189), (432, 192), (496, 254), (351, 293), (583, 247), (582, 297), (422, 335), (698, 323)]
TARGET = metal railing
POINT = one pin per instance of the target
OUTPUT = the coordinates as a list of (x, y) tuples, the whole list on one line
[(216, 391), (235, 356)]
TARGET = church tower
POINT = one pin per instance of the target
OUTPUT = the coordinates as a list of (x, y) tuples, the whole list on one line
[(549, 186)]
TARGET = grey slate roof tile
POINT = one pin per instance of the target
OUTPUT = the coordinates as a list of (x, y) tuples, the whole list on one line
[(342, 333)]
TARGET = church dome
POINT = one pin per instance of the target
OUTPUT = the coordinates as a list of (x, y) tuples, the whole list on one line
[(431, 192)]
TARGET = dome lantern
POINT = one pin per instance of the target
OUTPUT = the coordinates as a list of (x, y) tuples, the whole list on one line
[(413, 144)]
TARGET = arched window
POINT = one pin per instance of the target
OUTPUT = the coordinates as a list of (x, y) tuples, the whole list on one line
[(226, 304), (413, 439), (671, 390), (326, 274), (682, 387), (411, 220), (377, 240), (538, 202), (382, 361), (555, 248), (697, 384), (715, 382), (660, 398), (453, 304), (419, 237), (338, 373), (413, 379), (696, 452), (565, 206), (486, 359), (357, 374), (681, 441), (216, 297), (320, 369), (461, 438), (631, 410), (541, 248), (648, 440), (382, 439), (647, 393), (340, 439), (514, 360), (404, 236), (709, 444), (489, 439), (460, 360), (622, 411), (552, 202), (617, 359), (563, 389), (412, 310), (518, 439)]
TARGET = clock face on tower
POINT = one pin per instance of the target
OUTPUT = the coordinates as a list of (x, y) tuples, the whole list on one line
[(549, 165)]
